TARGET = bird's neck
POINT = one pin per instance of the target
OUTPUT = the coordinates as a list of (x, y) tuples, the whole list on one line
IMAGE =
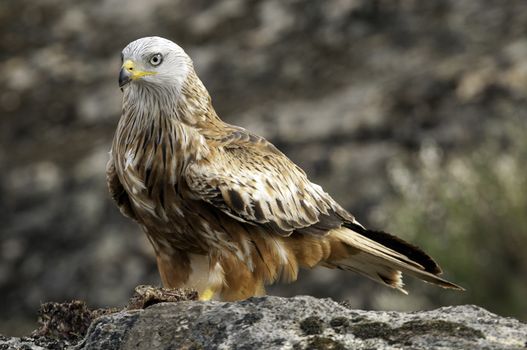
[(172, 121), (190, 104), (195, 104)]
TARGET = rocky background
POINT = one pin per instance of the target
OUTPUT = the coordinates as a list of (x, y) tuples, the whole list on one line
[(410, 113)]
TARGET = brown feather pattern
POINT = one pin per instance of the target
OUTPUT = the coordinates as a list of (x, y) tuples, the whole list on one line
[(225, 210)]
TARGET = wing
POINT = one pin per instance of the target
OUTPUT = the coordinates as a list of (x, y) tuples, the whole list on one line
[(117, 191), (247, 178)]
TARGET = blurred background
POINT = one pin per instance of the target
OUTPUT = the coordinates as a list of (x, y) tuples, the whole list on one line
[(411, 113)]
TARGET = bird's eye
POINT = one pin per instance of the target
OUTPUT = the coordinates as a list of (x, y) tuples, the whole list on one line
[(156, 59)]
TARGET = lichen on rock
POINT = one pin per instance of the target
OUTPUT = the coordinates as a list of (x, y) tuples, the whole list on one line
[(159, 318)]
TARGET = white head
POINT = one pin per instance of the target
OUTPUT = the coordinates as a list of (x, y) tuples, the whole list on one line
[(155, 63)]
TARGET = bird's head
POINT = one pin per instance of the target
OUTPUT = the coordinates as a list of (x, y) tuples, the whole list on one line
[(155, 62)]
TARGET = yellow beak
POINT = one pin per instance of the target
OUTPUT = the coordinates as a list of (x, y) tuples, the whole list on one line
[(129, 72)]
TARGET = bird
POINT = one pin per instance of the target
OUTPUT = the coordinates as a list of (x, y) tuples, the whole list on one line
[(226, 212)]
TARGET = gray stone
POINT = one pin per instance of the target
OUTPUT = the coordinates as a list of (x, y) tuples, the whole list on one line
[(301, 323)]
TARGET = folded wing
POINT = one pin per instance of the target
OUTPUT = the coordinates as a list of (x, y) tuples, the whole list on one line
[(253, 182)]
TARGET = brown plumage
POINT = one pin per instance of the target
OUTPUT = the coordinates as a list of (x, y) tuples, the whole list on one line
[(227, 212)]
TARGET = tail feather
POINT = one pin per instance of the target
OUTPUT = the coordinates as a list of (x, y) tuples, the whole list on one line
[(411, 251), (383, 258), (371, 267)]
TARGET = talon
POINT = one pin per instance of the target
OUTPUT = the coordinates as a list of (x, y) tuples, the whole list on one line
[(206, 295)]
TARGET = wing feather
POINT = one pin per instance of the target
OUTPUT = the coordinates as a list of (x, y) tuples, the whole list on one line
[(250, 180), (118, 192)]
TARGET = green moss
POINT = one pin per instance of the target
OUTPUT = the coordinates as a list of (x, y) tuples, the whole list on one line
[(339, 324), (440, 328), (367, 330), (312, 325), (404, 334), (323, 343)]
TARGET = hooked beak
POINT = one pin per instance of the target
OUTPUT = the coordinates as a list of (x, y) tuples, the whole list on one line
[(129, 72), (124, 77)]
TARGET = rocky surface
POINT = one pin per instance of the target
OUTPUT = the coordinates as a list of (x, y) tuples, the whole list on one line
[(342, 87), (297, 323)]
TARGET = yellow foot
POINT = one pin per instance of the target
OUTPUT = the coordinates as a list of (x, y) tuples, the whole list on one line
[(206, 295)]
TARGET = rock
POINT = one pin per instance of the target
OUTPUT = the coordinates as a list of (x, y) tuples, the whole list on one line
[(301, 322), (32, 343)]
